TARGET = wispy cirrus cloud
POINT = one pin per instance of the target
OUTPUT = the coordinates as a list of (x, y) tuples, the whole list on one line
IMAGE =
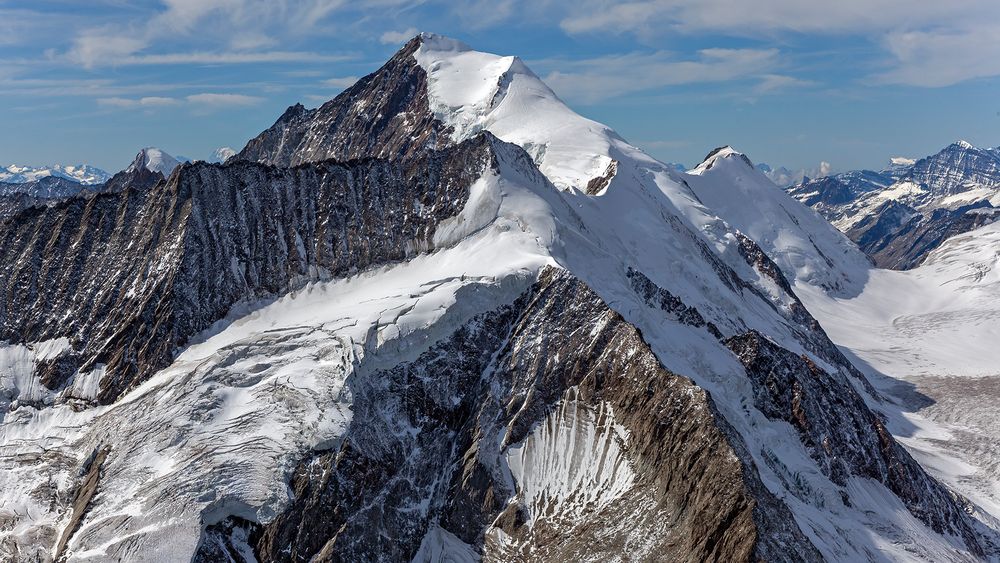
[(942, 57), (763, 17), (233, 32), (146, 101), (209, 58), (341, 82), (202, 102), (396, 37), (927, 44), (602, 78), (223, 100)]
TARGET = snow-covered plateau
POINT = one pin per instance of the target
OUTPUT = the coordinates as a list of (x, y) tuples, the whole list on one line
[(443, 317)]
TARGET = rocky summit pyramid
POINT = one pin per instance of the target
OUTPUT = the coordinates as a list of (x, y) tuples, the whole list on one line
[(442, 317)]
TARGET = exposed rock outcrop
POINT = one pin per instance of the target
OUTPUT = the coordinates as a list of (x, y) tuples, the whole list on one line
[(139, 271)]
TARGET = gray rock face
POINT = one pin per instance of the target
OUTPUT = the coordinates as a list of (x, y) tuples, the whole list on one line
[(386, 114), (50, 187), (139, 271), (956, 167), (843, 436)]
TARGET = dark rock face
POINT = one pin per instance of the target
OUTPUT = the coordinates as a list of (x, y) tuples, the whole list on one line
[(139, 271), (656, 296), (958, 165), (385, 115), (427, 444), (600, 183), (137, 176), (843, 436), (899, 238), (85, 491)]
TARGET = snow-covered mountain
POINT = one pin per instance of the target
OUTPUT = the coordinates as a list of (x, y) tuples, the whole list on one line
[(221, 154), (80, 173), (904, 212), (155, 160), (442, 317)]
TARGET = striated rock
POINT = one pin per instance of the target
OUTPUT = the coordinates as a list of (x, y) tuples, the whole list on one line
[(85, 491), (140, 271), (385, 114), (843, 436)]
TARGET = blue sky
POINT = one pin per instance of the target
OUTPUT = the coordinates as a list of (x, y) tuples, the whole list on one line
[(789, 82)]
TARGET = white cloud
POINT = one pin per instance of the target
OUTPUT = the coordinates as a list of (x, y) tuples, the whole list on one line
[(235, 31), (943, 57), (593, 80), (341, 82), (396, 37), (775, 82), (764, 17), (118, 102), (147, 102), (96, 47), (157, 101), (784, 177), (929, 44), (208, 58), (201, 102), (223, 100)]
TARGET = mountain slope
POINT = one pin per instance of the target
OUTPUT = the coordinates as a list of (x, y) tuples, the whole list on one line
[(934, 327), (411, 341)]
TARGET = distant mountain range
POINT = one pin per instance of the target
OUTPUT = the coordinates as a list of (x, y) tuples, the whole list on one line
[(899, 214), (80, 173)]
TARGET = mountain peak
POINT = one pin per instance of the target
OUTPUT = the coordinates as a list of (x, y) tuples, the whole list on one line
[(723, 152), (154, 160)]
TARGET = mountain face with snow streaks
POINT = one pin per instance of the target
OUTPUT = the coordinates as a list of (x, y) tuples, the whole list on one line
[(423, 311)]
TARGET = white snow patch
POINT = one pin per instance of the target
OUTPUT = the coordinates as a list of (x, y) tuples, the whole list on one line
[(573, 462)]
